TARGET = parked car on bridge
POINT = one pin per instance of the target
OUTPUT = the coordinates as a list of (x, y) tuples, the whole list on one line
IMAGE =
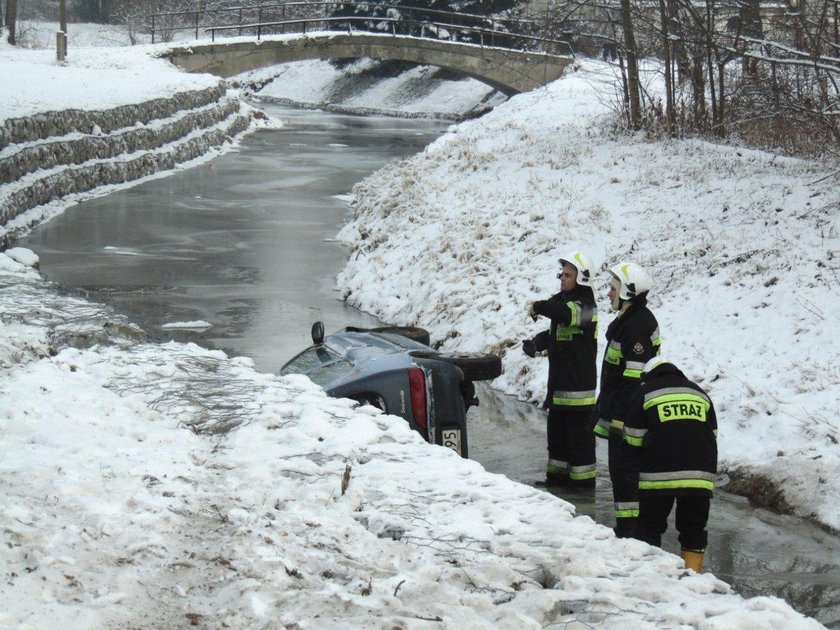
[(395, 369)]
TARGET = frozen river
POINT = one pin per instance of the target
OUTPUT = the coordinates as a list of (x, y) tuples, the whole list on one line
[(245, 243)]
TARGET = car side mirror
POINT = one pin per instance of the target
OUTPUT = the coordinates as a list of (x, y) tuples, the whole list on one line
[(318, 333)]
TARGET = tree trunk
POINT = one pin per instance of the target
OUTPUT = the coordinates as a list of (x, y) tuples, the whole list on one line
[(750, 15), (11, 20), (710, 69), (798, 31), (633, 86), (665, 19), (722, 102), (698, 84)]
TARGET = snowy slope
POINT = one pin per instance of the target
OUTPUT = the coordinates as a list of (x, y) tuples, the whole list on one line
[(742, 246)]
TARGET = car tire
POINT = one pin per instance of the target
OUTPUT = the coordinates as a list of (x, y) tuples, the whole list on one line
[(476, 367), (409, 332)]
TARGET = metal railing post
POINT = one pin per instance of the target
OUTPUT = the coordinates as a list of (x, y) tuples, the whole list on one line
[(240, 21)]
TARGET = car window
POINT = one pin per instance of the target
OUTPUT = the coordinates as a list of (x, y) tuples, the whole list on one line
[(330, 372), (308, 360), (319, 363)]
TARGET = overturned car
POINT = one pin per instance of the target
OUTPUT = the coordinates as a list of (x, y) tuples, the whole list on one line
[(395, 369)]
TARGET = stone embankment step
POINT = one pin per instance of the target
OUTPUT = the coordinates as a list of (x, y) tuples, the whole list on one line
[(48, 156)]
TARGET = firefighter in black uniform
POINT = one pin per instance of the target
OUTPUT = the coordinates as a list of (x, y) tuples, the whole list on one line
[(632, 340), (572, 344), (672, 426)]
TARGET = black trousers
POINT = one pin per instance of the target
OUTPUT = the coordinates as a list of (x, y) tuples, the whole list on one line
[(625, 482), (572, 442), (691, 518)]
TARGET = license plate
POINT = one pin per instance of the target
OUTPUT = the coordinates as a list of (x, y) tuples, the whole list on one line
[(452, 439)]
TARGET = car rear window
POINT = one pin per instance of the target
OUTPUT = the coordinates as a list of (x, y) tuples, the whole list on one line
[(318, 363), (330, 372)]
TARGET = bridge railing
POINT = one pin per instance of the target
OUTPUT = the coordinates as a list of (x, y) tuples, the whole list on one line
[(165, 24), (300, 17), (434, 30)]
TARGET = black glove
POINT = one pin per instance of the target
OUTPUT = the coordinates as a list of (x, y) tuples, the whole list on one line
[(529, 348), (532, 313)]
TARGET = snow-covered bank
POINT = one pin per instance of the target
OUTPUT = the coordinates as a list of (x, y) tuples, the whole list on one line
[(360, 88), (92, 79), (742, 246), (311, 513)]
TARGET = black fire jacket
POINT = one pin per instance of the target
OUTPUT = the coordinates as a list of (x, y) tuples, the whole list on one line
[(572, 344), (672, 422), (632, 339)]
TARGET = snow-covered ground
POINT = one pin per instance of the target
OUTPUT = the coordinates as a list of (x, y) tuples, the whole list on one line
[(93, 78), (126, 502), (40, 35)]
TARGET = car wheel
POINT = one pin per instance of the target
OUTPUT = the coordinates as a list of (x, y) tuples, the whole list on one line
[(409, 332), (476, 367)]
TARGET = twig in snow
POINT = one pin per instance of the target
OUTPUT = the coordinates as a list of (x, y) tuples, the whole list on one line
[(829, 176), (345, 479)]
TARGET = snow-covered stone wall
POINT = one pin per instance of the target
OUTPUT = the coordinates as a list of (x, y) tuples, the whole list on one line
[(50, 155), (61, 123)]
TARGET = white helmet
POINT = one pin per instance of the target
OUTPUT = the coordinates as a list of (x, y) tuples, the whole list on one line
[(583, 264), (633, 280), (654, 363)]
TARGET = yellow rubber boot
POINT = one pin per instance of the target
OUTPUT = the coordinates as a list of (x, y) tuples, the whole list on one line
[(692, 559)]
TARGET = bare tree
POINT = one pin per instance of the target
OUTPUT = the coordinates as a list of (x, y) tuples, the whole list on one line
[(11, 20), (132, 16), (633, 87), (767, 72), (665, 8)]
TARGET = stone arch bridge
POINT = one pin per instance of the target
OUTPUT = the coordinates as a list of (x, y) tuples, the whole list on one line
[(510, 71)]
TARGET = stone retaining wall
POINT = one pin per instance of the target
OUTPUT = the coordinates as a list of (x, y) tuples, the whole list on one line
[(81, 148), (48, 156), (50, 124)]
